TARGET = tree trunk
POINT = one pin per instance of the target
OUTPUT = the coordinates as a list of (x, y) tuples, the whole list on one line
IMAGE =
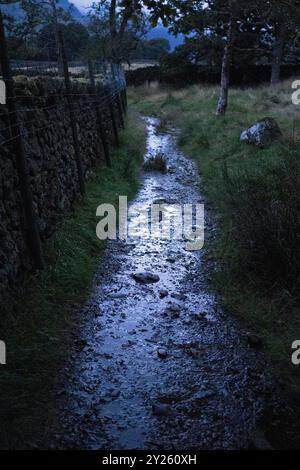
[(225, 74), (277, 53), (56, 33), (113, 29)]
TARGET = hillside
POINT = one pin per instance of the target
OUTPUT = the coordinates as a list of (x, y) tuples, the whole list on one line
[(17, 13)]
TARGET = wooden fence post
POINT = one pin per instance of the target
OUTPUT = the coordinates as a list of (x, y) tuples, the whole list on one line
[(71, 113), (100, 124), (121, 78), (19, 152), (117, 95), (113, 120)]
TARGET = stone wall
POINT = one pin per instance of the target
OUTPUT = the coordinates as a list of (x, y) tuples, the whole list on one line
[(47, 133)]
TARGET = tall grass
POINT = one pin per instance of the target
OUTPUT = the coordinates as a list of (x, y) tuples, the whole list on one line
[(265, 205), (40, 325), (255, 194)]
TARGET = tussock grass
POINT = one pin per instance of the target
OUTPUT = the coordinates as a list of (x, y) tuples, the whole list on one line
[(156, 163), (255, 194), (39, 327)]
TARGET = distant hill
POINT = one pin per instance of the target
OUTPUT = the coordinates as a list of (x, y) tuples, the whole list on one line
[(17, 13), (162, 32)]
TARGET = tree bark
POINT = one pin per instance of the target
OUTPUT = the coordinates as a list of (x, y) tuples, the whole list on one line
[(277, 54), (113, 28), (225, 74), (56, 32)]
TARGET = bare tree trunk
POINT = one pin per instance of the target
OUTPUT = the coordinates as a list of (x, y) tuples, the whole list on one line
[(113, 29), (277, 53), (56, 32), (225, 74)]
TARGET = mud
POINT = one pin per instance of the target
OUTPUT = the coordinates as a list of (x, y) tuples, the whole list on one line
[(159, 365)]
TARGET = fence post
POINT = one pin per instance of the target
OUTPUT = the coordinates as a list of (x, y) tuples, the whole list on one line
[(71, 112), (114, 122), (111, 109), (19, 152), (123, 91), (117, 94), (101, 129)]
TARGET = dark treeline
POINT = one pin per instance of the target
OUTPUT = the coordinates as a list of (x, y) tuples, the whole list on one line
[(221, 35), (33, 32), (244, 76)]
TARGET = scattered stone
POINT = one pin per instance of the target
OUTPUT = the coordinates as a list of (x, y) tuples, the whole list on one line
[(173, 310), (145, 277), (118, 295), (162, 353), (161, 409), (163, 293), (262, 133), (202, 394), (200, 316), (193, 353), (181, 297), (254, 341), (107, 356)]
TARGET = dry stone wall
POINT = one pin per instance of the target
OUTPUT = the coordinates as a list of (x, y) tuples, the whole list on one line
[(47, 134)]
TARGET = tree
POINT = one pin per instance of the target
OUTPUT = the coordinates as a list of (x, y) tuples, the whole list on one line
[(231, 20), (283, 23), (152, 49), (120, 24)]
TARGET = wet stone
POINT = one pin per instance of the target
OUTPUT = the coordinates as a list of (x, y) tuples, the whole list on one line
[(161, 409), (202, 394), (200, 316), (162, 353), (145, 277), (163, 294), (173, 310)]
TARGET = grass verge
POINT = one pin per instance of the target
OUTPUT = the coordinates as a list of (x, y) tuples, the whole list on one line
[(38, 327), (255, 194)]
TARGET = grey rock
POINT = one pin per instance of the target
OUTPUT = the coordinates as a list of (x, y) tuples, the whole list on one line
[(163, 293), (162, 353), (145, 277), (262, 133)]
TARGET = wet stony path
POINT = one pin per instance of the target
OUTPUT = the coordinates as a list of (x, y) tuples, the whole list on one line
[(159, 366)]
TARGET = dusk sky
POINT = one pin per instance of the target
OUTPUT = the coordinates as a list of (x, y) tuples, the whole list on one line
[(82, 4)]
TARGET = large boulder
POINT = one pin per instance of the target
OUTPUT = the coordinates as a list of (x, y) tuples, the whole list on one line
[(262, 133)]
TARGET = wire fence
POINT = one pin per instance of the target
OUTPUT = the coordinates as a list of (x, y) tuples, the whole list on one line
[(110, 89), (77, 89)]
